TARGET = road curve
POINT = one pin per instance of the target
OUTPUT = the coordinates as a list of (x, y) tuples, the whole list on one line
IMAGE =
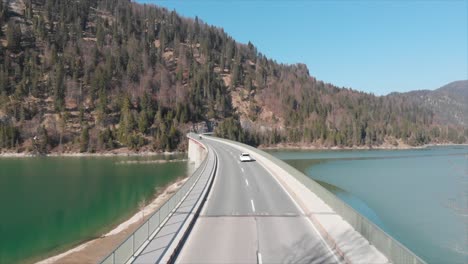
[(250, 218)]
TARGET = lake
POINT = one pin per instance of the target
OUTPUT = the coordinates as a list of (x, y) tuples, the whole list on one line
[(414, 195), (49, 204)]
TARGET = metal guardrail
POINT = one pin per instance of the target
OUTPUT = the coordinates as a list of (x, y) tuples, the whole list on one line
[(390, 247), (206, 191), (128, 248)]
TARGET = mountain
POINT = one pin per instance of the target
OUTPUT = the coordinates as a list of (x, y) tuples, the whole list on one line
[(449, 103), (101, 75)]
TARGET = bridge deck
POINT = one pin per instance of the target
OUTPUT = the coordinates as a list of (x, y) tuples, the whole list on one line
[(250, 218), (163, 243)]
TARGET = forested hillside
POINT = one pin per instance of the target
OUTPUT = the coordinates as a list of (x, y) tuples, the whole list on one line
[(96, 75), (449, 103)]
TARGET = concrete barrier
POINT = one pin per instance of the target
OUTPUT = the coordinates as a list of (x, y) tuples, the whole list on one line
[(196, 150)]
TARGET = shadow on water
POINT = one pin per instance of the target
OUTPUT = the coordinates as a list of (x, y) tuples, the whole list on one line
[(352, 200), (410, 194), (356, 203)]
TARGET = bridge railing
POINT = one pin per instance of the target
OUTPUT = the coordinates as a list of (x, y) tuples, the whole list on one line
[(390, 247), (131, 246)]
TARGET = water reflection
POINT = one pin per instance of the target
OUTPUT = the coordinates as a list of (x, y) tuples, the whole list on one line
[(51, 203)]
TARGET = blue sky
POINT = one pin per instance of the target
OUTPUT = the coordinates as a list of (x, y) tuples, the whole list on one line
[(373, 46)]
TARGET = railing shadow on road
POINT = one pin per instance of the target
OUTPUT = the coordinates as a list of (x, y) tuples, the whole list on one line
[(130, 246)]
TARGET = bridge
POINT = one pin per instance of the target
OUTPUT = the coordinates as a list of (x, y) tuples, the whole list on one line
[(262, 211)]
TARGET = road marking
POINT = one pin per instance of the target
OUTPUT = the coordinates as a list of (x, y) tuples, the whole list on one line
[(290, 197), (253, 206), (242, 169), (247, 182), (302, 212), (259, 258), (205, 207)]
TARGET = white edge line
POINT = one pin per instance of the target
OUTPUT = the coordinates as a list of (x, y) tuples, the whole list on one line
[(199, 203), (137, 253), (259, 257), (205, 206), (302, 211), (253, 206)]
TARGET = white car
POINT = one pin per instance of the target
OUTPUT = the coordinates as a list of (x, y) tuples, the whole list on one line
[(245, 157)]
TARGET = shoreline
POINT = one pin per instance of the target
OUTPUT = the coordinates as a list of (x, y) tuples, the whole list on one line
[(379, 147), (96, 249), (84, 155), (280, 146)]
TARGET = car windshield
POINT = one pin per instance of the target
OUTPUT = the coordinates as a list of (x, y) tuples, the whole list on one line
[(245, 154)]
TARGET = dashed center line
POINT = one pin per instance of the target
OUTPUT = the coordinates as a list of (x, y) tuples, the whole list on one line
[(246, 182), (242, 169), (253, 206)]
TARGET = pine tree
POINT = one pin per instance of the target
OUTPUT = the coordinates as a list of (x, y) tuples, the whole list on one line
[(84, 139), (13, 35), (173, 138), (143, 122), (100, 33), (59, 86), (127, 122), (41, 140)]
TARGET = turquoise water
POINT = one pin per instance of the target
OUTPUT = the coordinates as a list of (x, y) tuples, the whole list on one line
[(49, 204), (412, 194)]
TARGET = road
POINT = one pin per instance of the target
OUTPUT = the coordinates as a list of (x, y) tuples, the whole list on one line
[(250, 218)]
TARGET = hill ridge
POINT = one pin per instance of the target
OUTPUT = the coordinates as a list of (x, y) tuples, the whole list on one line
[(95, 75)]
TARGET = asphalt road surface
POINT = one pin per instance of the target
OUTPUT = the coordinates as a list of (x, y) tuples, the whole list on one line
[(250, 218)]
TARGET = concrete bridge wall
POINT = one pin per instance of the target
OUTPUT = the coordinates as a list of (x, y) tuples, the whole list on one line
[(196, 151)]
